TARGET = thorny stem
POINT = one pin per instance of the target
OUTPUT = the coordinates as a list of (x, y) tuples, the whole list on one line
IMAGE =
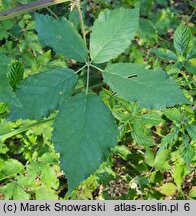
[(28, 8)]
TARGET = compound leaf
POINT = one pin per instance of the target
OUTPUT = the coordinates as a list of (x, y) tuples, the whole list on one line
[(182, 38), (112, 33), (84, 132), (42, 93), (61, 35), (151, 89), (6, 92)]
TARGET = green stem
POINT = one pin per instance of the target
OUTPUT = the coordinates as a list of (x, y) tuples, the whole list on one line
[(22, 129), (81, 20), (96, 67)]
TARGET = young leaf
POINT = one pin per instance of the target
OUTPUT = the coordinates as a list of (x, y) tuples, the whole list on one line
[(161, 159), (152, 89), (45, 193), (152, 118), (173, 114), (191, 129), (61, 35), (178, 175), (112, 33), (10, 168), (16, 73), (149, 157), (168, 189), (165, 54), (186, 150), (84, 131), (6, 92), (42, 93), (142, 135), (182, 38)]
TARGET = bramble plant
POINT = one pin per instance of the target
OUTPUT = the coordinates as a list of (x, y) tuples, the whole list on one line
[(84, 129)]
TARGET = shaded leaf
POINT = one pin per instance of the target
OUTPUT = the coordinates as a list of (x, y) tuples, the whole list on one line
[(16, 73)]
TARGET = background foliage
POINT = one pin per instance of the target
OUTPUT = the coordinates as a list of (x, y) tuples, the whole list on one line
[(155, 157)]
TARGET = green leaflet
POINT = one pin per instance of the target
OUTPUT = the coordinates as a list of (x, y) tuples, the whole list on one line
[(152, 89), (15, 191), (182, 38), (178, 174), (161, 160), (112, 33), (16, 73), (152, 118), (168, 189), (165, 54), (186, 150), (84, 132), (173, 114), (6, 92), (191, 129), (42, 93), (142, 135), (10, 168), (45, 193), (61, 35)]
